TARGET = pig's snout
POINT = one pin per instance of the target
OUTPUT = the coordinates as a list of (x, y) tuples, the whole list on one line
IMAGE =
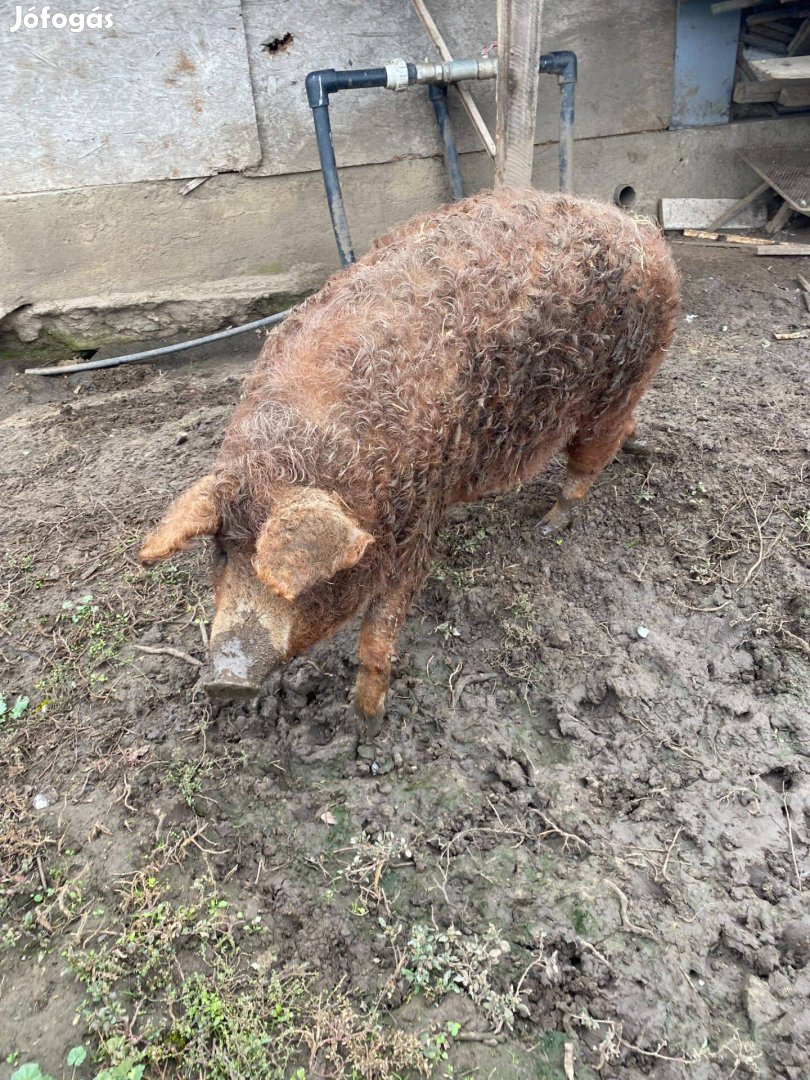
[(234, 672)]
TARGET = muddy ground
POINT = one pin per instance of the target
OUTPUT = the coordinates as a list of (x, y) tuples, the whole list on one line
[(579, 847)]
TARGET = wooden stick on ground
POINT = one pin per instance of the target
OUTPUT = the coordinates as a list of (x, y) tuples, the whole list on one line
[(783, 249), (780, 218), (167, 650), (725, 238), (732, 211)]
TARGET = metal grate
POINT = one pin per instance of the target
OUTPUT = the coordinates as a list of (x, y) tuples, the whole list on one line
[(786, 169)]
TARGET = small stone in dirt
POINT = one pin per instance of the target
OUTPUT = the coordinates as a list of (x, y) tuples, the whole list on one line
[(559, 638), (182, 436), (796, 941), (366, 752), (43, 799), (761, 1006), (642, 631), (511, 774)]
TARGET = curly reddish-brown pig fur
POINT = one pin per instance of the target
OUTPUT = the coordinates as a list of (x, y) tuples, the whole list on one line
[(455, 358)]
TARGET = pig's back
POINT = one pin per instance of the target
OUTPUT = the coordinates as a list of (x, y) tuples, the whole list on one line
[(475, 332)]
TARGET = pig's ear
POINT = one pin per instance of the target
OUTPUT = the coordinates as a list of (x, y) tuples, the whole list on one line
[(194, 513), (308, 538)]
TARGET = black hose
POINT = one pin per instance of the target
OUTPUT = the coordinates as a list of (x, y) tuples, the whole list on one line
[(331, 183), (319, 85), (438, 95), (164, 350)]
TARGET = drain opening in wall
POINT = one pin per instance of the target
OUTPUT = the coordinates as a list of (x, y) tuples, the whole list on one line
[(624, 196)]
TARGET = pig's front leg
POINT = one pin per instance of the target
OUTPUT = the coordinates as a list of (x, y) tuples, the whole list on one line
[(378, 638)]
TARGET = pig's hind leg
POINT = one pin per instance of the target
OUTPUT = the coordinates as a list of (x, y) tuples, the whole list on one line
[(588, 454)]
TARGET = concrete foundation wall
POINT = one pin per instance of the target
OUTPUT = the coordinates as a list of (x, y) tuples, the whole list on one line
[(109, 262), (137, 261)]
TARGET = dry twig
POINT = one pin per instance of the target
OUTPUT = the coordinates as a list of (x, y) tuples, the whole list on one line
[(623, 905), (167, 650)]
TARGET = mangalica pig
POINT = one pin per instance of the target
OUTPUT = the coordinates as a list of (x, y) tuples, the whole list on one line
[(454, 359)]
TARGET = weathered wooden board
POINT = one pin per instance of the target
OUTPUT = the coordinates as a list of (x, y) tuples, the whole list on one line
[(784, 249), (700, 213), (625, 54), (162, 92), (788, 68), (794, 93)]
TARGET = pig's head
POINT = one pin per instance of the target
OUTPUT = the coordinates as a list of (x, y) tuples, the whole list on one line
[(276, 593)]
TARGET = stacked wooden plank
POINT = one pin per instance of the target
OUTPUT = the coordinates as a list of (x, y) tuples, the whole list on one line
[(773, 65)]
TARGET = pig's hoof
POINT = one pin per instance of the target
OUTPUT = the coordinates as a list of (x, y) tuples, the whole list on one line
[(368, 727), (635, 446), (558, 518), (369, 702)]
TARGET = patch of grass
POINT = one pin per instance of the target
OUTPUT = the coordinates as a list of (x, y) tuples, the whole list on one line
[(582, 921), (172, 989), (188, 776), (168, 589), (439, 962), (38, 895), (18, 574), (460, 545), (88, 635), (517, 656), (550, 1053)]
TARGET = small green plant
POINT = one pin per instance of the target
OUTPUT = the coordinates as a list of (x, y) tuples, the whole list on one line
[(696, 495), (76, 1057), (16, 710), (446, 961), (460, 545), (188, 776), (30, 1071)]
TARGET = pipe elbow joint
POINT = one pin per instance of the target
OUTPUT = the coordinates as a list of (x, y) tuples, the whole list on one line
[(319, 85), (561, 62)]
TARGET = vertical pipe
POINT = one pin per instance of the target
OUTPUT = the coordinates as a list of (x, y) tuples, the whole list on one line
[(331, 182), (563, 64), (438, 95), (567, 136)]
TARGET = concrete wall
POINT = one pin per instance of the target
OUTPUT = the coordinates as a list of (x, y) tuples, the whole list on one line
[(119, 262)]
